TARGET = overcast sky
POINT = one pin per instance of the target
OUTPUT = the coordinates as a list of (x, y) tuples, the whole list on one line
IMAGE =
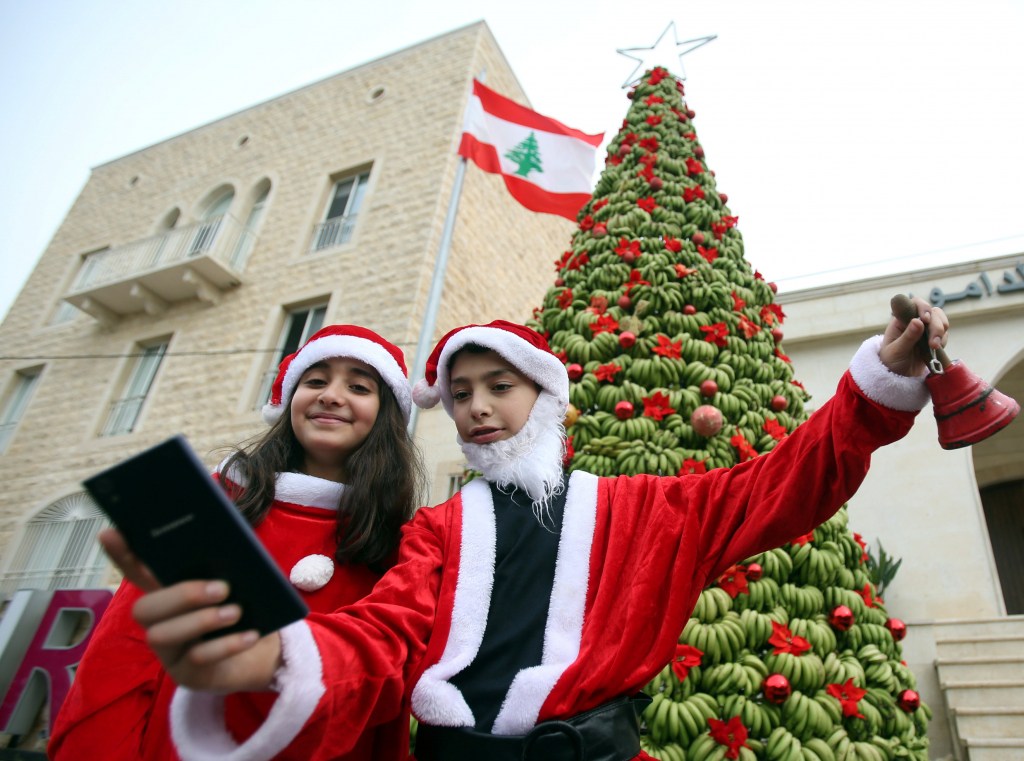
[(853, 138)]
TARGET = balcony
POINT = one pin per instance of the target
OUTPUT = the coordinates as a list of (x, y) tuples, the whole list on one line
[(199, 261)]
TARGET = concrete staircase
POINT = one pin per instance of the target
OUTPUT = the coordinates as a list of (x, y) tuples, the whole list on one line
[(980, 667)]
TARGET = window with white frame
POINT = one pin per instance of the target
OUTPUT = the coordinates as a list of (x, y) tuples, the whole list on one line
[(124, 412), (247, 237), (18, 397), (58, 549), (299, 325), (342, 212)]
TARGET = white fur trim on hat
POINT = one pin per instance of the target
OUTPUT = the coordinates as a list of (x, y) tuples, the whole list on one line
[(882, 385), (538, 365), (329, 347)]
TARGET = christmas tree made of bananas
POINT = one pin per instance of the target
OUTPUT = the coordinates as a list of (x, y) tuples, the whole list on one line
[(673, 346)]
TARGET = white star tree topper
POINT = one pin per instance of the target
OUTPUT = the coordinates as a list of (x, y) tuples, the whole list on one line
[(665, 52)]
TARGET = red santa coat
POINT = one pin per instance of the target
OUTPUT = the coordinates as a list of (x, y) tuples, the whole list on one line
[(118, 706), (634, 554)]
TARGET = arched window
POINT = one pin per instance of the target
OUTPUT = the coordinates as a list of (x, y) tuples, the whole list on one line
[(58, 549), (247, 237), (206, 233)]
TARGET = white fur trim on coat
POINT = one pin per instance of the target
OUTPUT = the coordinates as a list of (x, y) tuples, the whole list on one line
[(563, 631), (434, 699), (882, 385), (197, 718)]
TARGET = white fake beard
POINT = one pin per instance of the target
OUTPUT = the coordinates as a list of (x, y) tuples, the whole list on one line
[(531, 460)]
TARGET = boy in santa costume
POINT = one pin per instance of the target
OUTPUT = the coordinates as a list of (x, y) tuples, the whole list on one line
[(525, 612)]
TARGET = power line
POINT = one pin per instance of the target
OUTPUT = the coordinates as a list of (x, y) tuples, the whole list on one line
[(129, 355)]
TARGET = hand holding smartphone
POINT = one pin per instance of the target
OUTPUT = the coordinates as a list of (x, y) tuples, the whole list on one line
[(183, 526)]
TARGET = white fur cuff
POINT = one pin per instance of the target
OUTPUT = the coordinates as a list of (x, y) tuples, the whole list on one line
[(881, 385), (197, 718)]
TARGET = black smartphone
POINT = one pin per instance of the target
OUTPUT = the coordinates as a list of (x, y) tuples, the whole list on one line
[(183, 526)]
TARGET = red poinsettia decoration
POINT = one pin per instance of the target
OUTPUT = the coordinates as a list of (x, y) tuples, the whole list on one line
[(607, 372), (863, 546), (668, 348), (786, 642), (654, 120), (870, 599), (604, 324), (635, 279), (577, 261), (718, 229), (737, 302), (783, 357), (715, 333), (709, 254), (694, 167), (647, 204), (587, 222), (598, 304), (657, 74), (673, 244), (656, 406), (649, 144), (803, 539), (629, 138), (690, 135), (686, 658), (598, 205), (628, 249), (651, 100), (690, 194), (770, 313), (691, 466), (729, 221), (682, 270), (565, 298), (775, 429), (734, 581), (731, 734), (747, 328), (744, 449), (848, 695), (615, 159), (646, 173)]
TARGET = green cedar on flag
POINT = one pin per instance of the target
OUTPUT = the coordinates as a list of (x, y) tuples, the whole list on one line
[(546, 166)]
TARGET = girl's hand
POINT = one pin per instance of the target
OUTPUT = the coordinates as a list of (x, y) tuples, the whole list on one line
[(175, 619), (903, 351)]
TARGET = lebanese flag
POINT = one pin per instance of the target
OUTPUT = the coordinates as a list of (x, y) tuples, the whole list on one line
[(546, 166)]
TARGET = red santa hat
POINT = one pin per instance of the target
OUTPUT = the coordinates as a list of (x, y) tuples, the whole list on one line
[(341, 341), (523, 348)]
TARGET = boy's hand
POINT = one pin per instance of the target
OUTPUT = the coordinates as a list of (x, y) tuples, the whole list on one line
[(903, 351), (175, 619)]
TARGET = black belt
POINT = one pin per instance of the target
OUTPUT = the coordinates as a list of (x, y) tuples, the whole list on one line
[(610, 732)]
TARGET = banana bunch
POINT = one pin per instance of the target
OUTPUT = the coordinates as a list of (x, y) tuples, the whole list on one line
[(805, 672), (843, 666), (634, 428), (681, 721), (712, 604), (760, 719), (583, 393), (865, 637), (802, 602), (763, 595), (804, 717), (667, 683), (816, 564), (586, 427), (817, 632), (757, 627), (775, 564), (781, 745), (720, 641), (655, 371), (642, 456), (668, 752)]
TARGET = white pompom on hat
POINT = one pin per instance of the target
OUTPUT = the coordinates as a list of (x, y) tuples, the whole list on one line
[(522, 347), (341, 341)]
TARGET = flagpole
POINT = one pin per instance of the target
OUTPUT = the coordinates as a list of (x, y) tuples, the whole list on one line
[(437, 283)]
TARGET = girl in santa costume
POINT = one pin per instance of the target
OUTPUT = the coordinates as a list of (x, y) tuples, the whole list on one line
[(524, 614), (327, 488)]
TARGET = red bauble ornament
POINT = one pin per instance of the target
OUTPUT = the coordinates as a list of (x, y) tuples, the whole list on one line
[(724, 197), (896, 628), (600, 230), (841, 618), (571, 415), (689, 309), (777, 334), (776, 688), (656, 183), (754, 571), (698, 238), (627, 339), (575, 371), (690, 113), (779, 403), (708, 388), (909, 701), (625, 301), (629, 257), (698, 152), (625, 149), (559, 282), (774, 287), (706, 420), (624, 410)]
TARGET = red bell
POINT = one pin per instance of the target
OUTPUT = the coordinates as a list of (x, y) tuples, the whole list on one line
[(967, 409)]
